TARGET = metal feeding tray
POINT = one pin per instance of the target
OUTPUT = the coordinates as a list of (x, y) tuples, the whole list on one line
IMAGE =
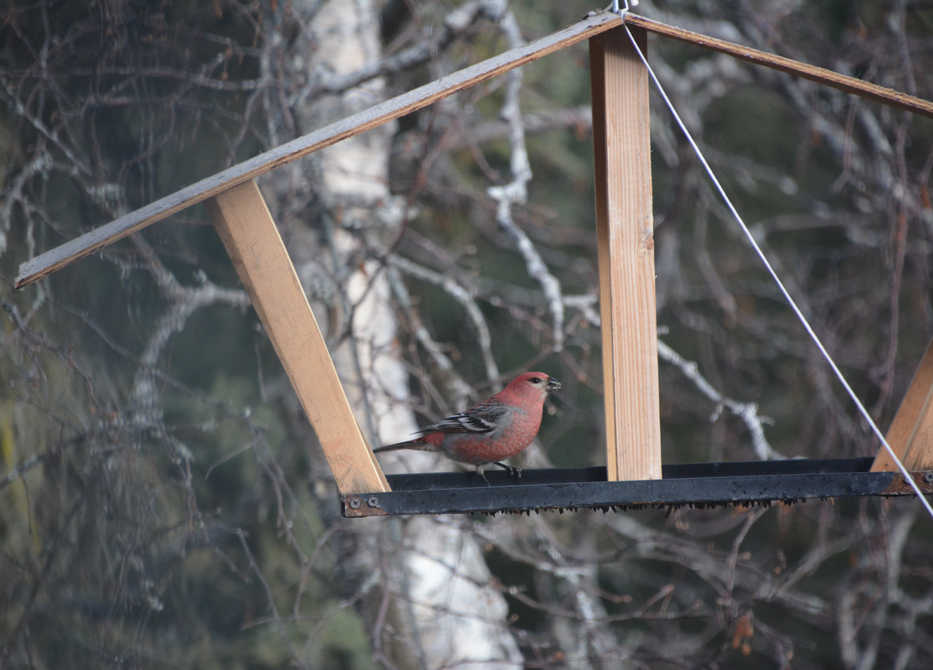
[(694, 485)]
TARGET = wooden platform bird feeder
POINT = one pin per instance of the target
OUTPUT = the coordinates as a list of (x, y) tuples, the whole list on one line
[(634, 475)]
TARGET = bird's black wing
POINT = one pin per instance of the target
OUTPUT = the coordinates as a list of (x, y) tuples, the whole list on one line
[(483, 418)]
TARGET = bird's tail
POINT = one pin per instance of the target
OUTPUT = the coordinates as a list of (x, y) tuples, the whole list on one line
[(409, 444)]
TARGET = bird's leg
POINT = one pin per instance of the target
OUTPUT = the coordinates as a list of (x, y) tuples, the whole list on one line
[(479, 471), (514, 473)]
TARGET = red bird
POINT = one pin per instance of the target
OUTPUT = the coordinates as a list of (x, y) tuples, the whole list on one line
[(493, 430)]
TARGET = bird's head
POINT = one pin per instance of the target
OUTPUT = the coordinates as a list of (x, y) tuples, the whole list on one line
[(531, 386)]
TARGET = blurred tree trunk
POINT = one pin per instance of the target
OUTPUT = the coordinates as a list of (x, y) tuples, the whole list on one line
[(441, 605)]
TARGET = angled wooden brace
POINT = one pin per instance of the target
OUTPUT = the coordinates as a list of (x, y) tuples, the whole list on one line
[(625, 239), (911, 432), (248, 232)]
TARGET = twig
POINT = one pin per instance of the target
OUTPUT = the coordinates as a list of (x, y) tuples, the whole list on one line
[(747, 412), (462, 295), (516, 191)]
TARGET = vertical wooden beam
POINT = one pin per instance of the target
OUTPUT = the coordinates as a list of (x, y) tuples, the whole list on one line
[(248, 232), (911, 432), (625, 235)]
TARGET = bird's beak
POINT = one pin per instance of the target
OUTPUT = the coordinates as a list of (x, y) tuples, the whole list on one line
[(553, 384)]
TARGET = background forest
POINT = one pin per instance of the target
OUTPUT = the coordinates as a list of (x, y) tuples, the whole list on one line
[(163, 502)]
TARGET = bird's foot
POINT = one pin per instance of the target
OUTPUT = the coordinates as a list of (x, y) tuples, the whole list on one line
[(479, 471), (514, 473)]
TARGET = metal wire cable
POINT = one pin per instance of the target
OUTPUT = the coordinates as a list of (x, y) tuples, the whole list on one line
[(764, 259)]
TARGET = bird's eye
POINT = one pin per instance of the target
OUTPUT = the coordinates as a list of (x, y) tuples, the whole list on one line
[(536, 380)]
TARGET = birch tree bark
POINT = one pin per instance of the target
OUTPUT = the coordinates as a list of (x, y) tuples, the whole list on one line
[(441, 601)]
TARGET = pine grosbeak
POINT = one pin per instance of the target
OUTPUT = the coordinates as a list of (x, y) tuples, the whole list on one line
[(492, 430)]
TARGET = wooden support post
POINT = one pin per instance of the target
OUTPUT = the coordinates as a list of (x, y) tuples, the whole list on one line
[(248, 232), (625, 236), (911, 432)]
